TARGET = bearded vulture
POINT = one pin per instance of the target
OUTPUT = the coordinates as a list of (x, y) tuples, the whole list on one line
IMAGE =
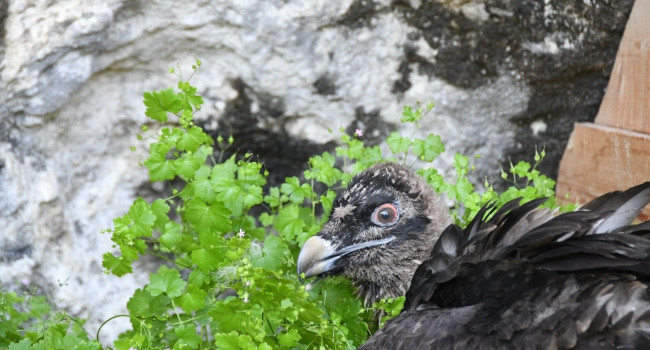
[(519, 277)]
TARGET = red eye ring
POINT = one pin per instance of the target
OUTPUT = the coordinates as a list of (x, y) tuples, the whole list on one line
[(385, 215)]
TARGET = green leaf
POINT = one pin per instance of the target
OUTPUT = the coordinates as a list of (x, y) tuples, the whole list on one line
[(172, 234), (273, 198), (199, 277), (323, 170), (187, 165), (411, 116), (167, 281), (211, 217), (38, 306), (266, 219), (428, 149), (21, 345), (192, 139), (273, 253), (189, 96), (295, 190), (253, 196), (161, 102), (288, 223), (234, 341), (142, 218), (143, 304), (160, 168), (117, 266), (227, 189), (289, 339), (187, 337), (159, 208), (193, 299), (205, 259), (203, 189), (397, 143)]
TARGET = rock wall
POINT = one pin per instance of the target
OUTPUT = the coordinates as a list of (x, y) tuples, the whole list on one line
[(505, 75)]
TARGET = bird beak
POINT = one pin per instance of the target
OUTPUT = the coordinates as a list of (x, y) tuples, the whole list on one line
[(319, 255), (311, 259)]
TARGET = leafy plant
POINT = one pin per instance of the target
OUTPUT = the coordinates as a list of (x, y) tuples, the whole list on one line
[(28, 322), (228, 276)]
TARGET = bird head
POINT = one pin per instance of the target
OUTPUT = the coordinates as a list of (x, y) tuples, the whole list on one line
[(381, 228)]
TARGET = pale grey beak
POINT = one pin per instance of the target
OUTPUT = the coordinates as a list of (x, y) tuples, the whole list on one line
[(318, 255), (311, 258)]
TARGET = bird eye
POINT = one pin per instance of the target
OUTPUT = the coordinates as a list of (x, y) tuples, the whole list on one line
[(385, 215)]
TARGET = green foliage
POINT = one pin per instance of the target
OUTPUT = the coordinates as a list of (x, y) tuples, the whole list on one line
[(28, 322), (228, 278)]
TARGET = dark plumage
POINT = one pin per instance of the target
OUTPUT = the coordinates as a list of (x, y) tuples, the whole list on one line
[(525, 278)]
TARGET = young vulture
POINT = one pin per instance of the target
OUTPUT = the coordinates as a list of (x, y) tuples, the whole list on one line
[(524, 278)]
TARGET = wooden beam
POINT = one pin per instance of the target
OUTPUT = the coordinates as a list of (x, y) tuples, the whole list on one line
[(626, 103), (600, 159), (614, 152)]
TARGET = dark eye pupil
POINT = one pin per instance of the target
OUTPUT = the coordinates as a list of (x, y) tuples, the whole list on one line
[(385, 215)]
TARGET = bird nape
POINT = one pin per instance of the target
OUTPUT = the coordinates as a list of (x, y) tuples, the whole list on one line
[(524, 278)]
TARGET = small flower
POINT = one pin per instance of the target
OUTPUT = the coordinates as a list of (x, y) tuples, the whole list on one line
[(241, 233), (248, 283), (245, 300), (358, 132)]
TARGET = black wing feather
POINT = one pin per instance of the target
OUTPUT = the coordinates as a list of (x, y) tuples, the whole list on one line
[(571, 281)]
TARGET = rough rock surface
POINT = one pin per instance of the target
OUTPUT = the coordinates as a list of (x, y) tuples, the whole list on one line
[(505, 75)]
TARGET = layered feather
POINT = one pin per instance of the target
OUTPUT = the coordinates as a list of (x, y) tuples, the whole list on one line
[(525, 278)]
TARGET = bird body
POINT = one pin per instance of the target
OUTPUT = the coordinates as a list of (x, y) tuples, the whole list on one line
[(519, 277)]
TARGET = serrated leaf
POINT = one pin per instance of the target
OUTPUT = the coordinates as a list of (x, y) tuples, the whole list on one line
[(323, 170), (38, 306), (211, 217), (227, 189), (172, 234), (187, 165), (203, 189), (160, 209), (24, 344), (295, 190), (143, 304), (273, 252), (117, 266), (266, 219), (142, 218), (227, 169), (288, 222), (158, 103), (273, 198), (252, 197), (234, 341), (191, 139), (205, 259), (160, 168), (397, 143), (289, 338), (166, 281), (429, 148), (199, 277), (187, 337), (193, 299)]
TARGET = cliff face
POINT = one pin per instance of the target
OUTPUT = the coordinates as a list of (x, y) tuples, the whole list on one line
[(505, 75)]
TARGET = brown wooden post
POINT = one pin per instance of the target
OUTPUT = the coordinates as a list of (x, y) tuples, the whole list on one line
[(613, 153)]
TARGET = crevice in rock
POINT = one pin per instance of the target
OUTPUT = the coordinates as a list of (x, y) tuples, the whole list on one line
[(257, 122)]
